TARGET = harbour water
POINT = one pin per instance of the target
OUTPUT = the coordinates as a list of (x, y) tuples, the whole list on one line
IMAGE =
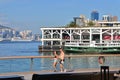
[(31, 49)]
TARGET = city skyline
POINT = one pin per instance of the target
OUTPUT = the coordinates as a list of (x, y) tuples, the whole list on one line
[(33, 14)]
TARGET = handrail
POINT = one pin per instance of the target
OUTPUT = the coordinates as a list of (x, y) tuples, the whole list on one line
[(66, 56), (23, 57), (95, 44)]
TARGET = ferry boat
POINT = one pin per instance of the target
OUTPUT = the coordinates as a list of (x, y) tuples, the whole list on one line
[(93, 47), (95, 40), (18, 39), (83, 40), (1, 39)]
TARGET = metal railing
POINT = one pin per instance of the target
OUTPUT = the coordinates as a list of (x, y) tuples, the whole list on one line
[(31, 58)]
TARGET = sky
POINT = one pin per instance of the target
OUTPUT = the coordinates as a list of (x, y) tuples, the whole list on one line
[(34, 14)]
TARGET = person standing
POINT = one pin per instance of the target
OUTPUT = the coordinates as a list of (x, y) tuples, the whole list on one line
[(101, 60), (61, 57), (55, 61)]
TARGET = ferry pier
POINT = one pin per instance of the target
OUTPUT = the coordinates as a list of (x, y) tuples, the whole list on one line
[(82, 40)]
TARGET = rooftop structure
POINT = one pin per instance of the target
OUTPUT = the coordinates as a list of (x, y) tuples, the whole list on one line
[(109, 24)]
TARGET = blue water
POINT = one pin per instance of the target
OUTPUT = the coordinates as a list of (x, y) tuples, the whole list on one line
[(31, 49), (19, 48)]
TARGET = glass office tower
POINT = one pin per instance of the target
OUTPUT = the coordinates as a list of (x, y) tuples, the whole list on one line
[(95, 15)]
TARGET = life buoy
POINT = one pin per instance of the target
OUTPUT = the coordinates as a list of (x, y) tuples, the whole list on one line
[(101, 59)]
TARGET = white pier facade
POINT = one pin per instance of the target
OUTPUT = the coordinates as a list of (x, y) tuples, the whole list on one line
[(91, 35)]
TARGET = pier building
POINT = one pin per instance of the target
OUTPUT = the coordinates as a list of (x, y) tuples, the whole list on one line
[(102, 39)]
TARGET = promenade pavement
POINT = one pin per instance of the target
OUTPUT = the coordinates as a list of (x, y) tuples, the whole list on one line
[(28, 75)]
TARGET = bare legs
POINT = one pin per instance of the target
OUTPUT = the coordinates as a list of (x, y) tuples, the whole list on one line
[(54, 66), (61, 67)]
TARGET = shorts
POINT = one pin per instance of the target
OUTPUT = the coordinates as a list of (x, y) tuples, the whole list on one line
[(55, 60), (61, 61)]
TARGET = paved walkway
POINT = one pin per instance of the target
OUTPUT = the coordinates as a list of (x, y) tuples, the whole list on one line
[(28, 75)]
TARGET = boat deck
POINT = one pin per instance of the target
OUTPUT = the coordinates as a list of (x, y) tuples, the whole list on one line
[(29, 75)]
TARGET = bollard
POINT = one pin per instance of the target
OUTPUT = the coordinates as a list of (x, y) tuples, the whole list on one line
[(31, 65), (104, 72)]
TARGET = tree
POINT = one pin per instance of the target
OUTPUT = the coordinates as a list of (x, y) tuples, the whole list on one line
[(72, 24), (90, 23)]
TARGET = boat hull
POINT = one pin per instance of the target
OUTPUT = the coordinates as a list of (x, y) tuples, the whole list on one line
[(107, 50)]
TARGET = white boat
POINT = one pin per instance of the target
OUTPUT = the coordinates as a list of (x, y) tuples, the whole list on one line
[(1, 39), (21, 39)]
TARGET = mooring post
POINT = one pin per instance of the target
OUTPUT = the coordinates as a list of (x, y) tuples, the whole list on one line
[(31, 65), (104, 72), (69, 64)]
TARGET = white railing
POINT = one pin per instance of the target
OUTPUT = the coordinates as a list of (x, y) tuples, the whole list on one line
[(93, 44)]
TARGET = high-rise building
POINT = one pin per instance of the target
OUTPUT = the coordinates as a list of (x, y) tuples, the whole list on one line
[(114, 18), (107, 18), (80, 21), (95, 15)]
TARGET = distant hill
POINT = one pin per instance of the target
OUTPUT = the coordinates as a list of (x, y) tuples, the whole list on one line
[(3, 27)]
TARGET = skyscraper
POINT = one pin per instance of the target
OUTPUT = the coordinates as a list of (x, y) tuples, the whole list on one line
[(95, 15)]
